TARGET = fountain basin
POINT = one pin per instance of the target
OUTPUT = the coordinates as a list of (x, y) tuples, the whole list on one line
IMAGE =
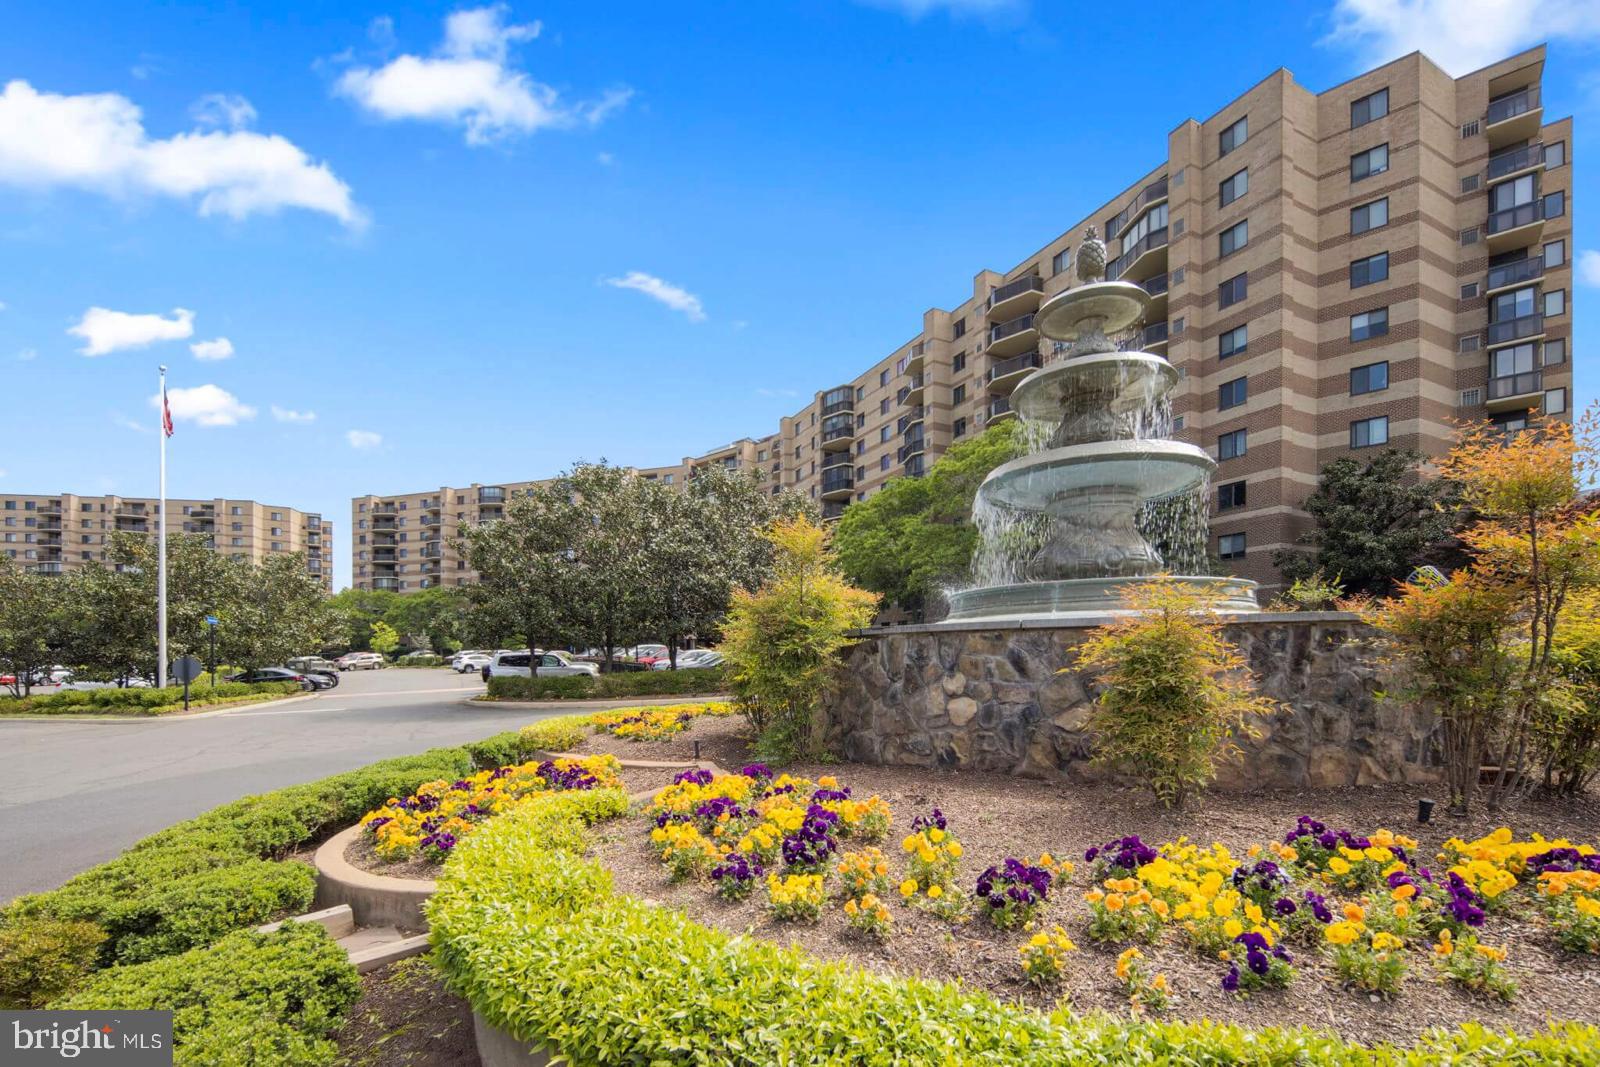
[(1117, 306), (1152, 469), (1079, 598), (1120, 381)]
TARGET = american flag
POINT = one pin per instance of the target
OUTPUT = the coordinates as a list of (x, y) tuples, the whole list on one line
[(166, 412)]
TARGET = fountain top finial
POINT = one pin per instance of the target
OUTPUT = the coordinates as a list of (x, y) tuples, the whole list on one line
[(1091, 258)]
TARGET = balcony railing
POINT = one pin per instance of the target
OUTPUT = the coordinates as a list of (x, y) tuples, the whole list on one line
[(912, 448), (1156, 284), (491, 494), (838, 427), (1510, 385), (1529, 155), (1513, 217), (1154, 334), (1026, 361), (1507, 330), (1509, 107), (392, 584), (1031, 284), (916, 466), (432, 550), (838, 479), (834, 508), (383, 509), (1001, 330), (1515, 273), (1149, 242), (1156, 190), (914, 385), (836, 406), (909, 419), (1000, 405), (46, 568)]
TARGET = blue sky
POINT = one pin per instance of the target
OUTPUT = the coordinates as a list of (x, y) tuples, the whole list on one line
[(478, 249)]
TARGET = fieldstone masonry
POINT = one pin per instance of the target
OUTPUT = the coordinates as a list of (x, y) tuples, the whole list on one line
[(996, 699)]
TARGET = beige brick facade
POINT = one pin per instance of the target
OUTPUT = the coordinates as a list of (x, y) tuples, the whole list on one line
[(1469, 274)]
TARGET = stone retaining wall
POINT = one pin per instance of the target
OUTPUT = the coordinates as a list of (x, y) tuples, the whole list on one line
[(995, 699)]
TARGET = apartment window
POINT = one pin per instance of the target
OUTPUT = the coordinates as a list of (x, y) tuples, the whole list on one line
[(1372, 378), (277, 546), (1469, 291), (1232, 394), (1513, 305), (1233, 188), (1372, 161), (1369, 324), (883, 463), (883, 434), (1368, 433), (883, 406), (1369, 107), (1231, 546), (1512, 194), (1555, 303), (861, 420), (1230, 495), (277, 531), (958, 428), (1555, 205), (959, 328), (1369, 270), (861, 448), (238, 527), (1232, 445), (1233, 342), (958, 394), (1232, 291), (237, 510), (1555, 351), (1555, 154), (1233, 136), (1177, 424), (861, 472), (1555, 401), (883, 378), (1555, 254), (1060, 261), (1177, 325), (1233, 238), (958, 362), (238, 542)]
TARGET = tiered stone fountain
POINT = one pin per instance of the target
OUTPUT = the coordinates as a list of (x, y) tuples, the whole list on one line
[(1098, 418)]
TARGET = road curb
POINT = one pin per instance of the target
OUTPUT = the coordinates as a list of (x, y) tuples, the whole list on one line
[(597, 704), (175, 716)]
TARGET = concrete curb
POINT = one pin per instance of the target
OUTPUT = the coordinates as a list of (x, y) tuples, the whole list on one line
[(175, 716), (376, 900), (660, 700)]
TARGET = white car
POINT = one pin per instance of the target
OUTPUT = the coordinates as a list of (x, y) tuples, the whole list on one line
[(551, 665), (690, 659), (359, 661), (471, 663)]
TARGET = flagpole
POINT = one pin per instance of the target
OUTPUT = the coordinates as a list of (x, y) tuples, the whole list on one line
[(161, 544)]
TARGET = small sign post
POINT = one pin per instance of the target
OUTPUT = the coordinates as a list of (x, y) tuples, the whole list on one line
[(186, 669), (211, 625)]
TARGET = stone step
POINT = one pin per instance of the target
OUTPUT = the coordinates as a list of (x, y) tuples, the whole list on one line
[(339, 921), (383, 945)]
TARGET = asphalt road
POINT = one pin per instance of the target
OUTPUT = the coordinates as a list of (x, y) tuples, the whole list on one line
[(73, 794)]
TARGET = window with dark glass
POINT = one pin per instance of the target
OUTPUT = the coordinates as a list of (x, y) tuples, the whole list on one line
[(1232, 291), (1232, 137), (1555, 204), (1230, 495), (1231, 546), (1233, 187), (1232, 394), (1369, 107), (959, 362), (958, 428), (958, 394), (1233, 238), (1372, 378), (1371, 269), (1369, 324), (1232, 342), (1372, 161), (1368, 433), (1232, 445)]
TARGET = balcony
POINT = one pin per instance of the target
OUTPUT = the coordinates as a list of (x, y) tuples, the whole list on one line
[(915, 466), (1516, 161), (432, 550), (913, 362), (1149, 196), (47, 568), (1004, 375), (1147, 256), (384, 509), (1154, 336), (1514, 391), (1156, 286), (911, 392), (838, 483), (1508, 331), (1514, 117), (491, 494), (1014, 337), (916, 444), (391, 584), (1515, 227), (50, 506), (384, 555), (846, 402), (1510, 275), (836, 459), (909, 419), (48, 524), (838, 431), (833, 509), (1015, 298), (999, 408)]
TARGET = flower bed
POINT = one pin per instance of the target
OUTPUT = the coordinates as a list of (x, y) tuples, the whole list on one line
[(534, 935), (654, 723)]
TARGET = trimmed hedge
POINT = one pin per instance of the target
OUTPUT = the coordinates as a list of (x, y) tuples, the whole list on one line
[(141, 701), (250, 998), (198, 910), (533, 935), (44, 958), (621, 684)]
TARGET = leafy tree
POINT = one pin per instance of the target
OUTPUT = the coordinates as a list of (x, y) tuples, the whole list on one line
[(1377, 520), (782, 642), (1569, 736), (384, 639), (279, 611), (355, 611), (434, 613), (1174, 690), (914, 534), (35, 629)]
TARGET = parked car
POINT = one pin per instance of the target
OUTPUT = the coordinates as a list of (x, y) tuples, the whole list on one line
[(691, 658), (419, 654), (359, 661), (472, 662), (318, 666), (551, 665), (308, 682)]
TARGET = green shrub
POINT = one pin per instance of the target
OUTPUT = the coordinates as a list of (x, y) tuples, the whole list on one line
[(42, 958), (561, 734), (196, 911), (267, 1000), (140, 701), (533, 935), (608, 686)]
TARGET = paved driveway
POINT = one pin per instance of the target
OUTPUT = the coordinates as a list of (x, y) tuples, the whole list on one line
[(73, 794)]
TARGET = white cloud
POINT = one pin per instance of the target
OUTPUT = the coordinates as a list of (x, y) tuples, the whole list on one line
[(97, 142), (363, 439), (916, 9), (605, 159), (27, 355), (205, 405), (288, 415), (106, 331), (126, 423), (1589, 267), (1459, 35), (675, 297), (225, 110), (221, 348), (468, 83)]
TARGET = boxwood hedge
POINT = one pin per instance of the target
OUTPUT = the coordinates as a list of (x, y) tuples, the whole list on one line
[(140, 701), (533, 935), (620, 684)]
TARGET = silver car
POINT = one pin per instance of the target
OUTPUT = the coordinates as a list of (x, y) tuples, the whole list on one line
[(551, 665)]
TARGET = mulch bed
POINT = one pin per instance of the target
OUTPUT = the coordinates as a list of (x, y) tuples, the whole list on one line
[(407, 1018), (997, 816), (722, 739)]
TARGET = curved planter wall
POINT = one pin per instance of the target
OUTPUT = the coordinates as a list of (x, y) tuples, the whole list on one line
[(1007, 698), (374, 899)]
